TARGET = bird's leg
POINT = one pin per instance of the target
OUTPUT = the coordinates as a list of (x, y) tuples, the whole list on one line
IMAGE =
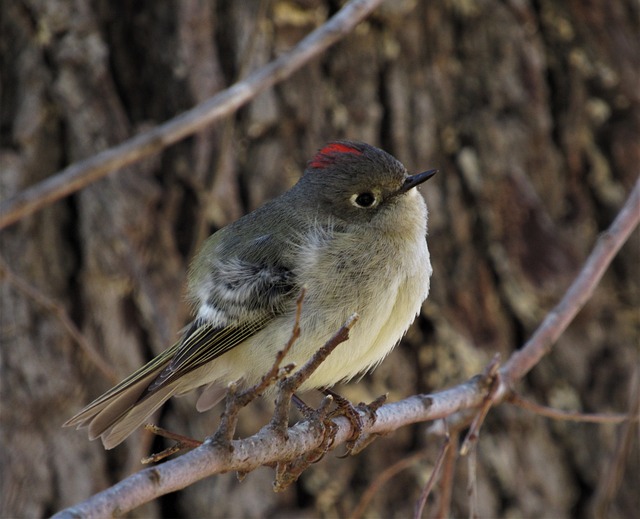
[(307, 411)]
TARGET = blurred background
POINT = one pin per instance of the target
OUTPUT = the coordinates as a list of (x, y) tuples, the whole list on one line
[(530, 109)]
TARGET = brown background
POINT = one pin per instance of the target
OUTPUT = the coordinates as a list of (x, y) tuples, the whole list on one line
[(529, 108)]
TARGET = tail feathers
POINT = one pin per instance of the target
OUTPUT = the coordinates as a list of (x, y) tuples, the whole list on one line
[(108, 407), (117, 413), (211, 395), (108, 413), (122, 426)]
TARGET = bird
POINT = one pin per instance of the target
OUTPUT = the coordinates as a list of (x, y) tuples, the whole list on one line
[(352, 232)]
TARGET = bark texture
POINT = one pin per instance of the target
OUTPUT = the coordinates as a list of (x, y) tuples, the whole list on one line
[(531, 109)]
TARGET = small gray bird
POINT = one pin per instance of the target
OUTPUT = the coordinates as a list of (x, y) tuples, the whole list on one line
[(352, 231)]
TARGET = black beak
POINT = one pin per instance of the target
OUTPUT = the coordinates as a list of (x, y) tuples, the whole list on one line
[(416, 180)]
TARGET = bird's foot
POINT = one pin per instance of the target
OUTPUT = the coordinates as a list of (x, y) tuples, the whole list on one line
[(358, 440), (289, 472)]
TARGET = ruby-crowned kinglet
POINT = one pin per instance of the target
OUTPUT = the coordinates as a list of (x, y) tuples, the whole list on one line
[(352, 231)]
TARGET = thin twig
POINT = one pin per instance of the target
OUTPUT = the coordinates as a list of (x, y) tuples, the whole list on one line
[(446, 485), (573, 416), (472, 484), (61, 315), (182, 443), (303, 374), (384, 476), (422, 501), (613, 475), (236, 401), (289, 385), (288, 471), (276, 372), (492, 376), (80, 174)]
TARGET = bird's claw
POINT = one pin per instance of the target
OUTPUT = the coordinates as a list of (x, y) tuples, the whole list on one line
[(358, 440)]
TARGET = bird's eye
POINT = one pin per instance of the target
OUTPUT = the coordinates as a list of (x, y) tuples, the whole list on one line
[(364, 199)]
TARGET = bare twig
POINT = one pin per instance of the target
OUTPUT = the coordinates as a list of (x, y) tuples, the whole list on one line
[(288, 471), (422, 501), (234, 402), (573, 416), (80, 174), (374, 488), (182, 443), (446, 486), (472, 484), (614, 473), (59, 313), (289, 385), (492, 377), (265, 448)]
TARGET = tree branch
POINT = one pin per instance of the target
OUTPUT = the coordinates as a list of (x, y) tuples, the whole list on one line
[(580, 291), (269, 447), (264, 448), (78, 175), (573, 416)]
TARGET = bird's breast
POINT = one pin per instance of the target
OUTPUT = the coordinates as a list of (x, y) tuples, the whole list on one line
[(383, 278)]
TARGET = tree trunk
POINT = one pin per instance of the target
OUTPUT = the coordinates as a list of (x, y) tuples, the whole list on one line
[(531, 110)]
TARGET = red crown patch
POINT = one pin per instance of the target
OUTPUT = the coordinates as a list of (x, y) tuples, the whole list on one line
[(327, 155)]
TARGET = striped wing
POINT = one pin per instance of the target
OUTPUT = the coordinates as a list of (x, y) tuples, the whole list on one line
[(262, 295), (202, 344)]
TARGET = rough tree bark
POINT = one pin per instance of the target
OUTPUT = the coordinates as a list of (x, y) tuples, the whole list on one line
[(531, 109)]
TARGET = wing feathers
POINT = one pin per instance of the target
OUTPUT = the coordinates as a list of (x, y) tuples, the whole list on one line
[(243, 299), (116, 408), (129, 422), (147, 372), (205, 344)]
